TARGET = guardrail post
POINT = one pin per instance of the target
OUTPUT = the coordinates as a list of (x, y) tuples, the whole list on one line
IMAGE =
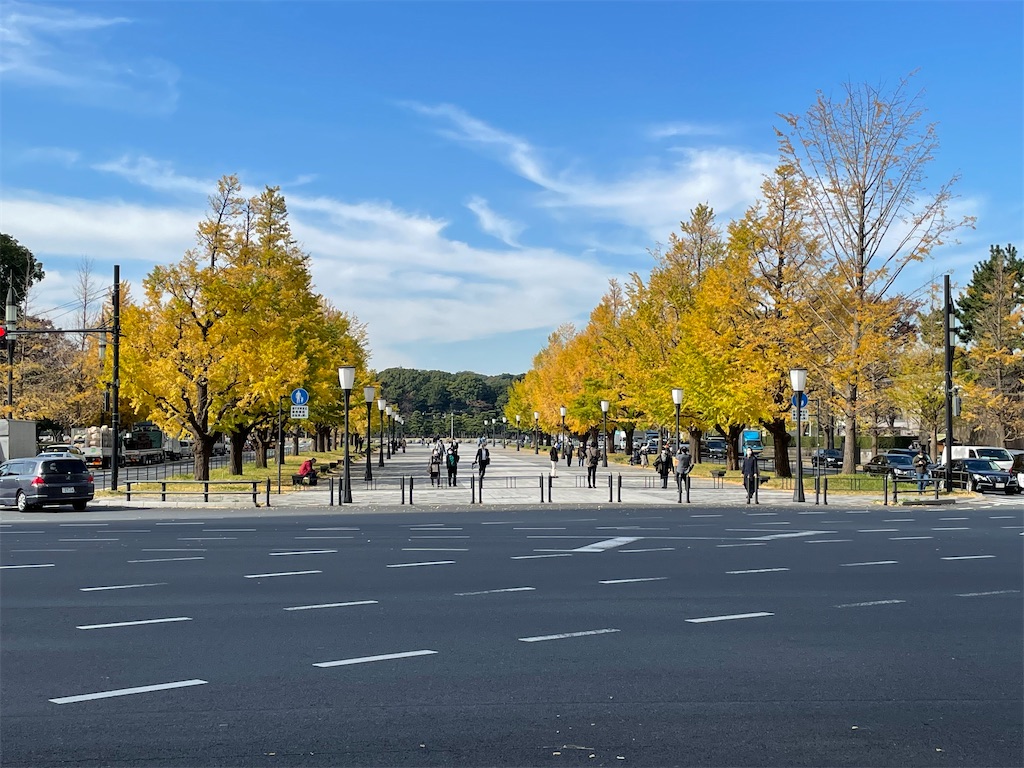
[(481, 496), (826, 491), (163, 491), (757, 488), (549, 489), (206, 492), (128, 491), (402, 483), (686, 479), (935, 483), (611, 489), (255, 493), (817, 488), (268, 491), (895, 490), (410, 490), (330, 483), (620, 489), (885, 490), (679, 489), (541, 478)]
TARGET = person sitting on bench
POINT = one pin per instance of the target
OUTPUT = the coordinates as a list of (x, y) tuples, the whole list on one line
[(307, 471)]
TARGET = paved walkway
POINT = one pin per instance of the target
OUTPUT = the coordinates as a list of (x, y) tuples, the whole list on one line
[(513, 478)]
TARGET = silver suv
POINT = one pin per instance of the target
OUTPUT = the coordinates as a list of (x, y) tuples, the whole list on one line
[(45, 480)]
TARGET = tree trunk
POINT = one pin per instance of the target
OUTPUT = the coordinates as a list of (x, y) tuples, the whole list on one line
[(261, 437), (781, 438), (696, 438), (851, 453), (732, 437), (203, 447), (237, 441)]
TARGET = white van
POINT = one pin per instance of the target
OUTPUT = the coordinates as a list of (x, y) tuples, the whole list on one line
[(1001, 457)]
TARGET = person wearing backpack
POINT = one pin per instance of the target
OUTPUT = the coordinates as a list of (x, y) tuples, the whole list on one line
[(593, 459), (483, 458), (553, 455), (452, 464)]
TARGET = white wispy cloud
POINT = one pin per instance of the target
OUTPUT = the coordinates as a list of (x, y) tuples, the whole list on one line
[(493, 223), (652, 199), (155, 174), (671, 130), (72, 52)]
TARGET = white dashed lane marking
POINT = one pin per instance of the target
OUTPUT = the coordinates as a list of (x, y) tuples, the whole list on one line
[(652, 549), (122, 586), (986, 594), (873, 602), (127, 691), (969, 557), (539, 557), (633, 581), (876, 562), (166, 559), (759, 570), (369, 659), (415, 565), (304, 552), (909, 538), (729, 617), (37, 565), (495, 591), (134, 623), (565, 635), (331, 605), (283, 573)]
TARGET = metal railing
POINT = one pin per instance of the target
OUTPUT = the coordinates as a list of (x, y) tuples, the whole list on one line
[(253, 491)]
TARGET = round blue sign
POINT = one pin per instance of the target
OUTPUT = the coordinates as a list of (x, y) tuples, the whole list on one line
[(803, 400), (300, 396)]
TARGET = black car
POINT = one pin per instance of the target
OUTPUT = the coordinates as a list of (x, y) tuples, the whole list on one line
[(45, 480), (892, 464), (980, 475), (827, 457), (714, 448)]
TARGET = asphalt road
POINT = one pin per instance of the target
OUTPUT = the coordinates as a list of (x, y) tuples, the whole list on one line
[(645, 637)]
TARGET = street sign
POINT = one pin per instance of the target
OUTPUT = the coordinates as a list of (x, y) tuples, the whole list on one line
[(300, 412), (299, 397), (803, 414), (803, 400)]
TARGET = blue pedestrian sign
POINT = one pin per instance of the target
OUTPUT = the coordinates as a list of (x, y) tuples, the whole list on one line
[(300, 396), (803, 400)]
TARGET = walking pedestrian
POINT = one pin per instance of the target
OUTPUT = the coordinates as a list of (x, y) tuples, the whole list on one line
[(750, 473), (553, 455), (663, 465), (582, 454), (684, 465), (568, 453), (921, 465), (483, 458), (452, 463), (593, 458), (435, 465)]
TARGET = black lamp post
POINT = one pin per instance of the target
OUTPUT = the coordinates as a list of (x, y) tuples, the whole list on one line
[(677, 399), (517, 433), (561, 438), (949, 330), (605, 405), (798, 378), (369, 393), (347, 378), (10, 324), (381, 405), (504, 432), (536, 434)]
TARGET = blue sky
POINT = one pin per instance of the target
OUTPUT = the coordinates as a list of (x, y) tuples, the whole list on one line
[(466, 176)]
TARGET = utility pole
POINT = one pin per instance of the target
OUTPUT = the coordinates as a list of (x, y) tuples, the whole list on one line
[(948, 331), (115, 387)]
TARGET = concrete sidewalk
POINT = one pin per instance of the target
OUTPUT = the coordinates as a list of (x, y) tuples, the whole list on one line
[(513, 478)]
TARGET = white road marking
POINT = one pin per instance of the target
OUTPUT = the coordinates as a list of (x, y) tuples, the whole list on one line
[(435, 549), (228, 530), (498, 522), (416, 565), (126, 691), (89, 539), (367, 659), (39, 565), (625, 528), (564, 635), (318, 538), (282, 573), (122, 586), (538, 557), (705, 515), (332, 529), (18, 533), (83, 525), (909, 538), (787, 535), (128, 530), (438, 537), (179, 549), (873, 602), (134, 623), (652, 549), (900, 520), (951, 529), (859, 512), (495, 591), (538, 529), (331, 605), (951, 519), (177, 523), (876, 562), (1011, 527), (826, 541), (1001, 517), (759, 570), (761, 514), (44, 550), (813, 512), (602, 546), (968, 557), (879, 530), (986, 594), (439, 527), (745, 544), (166, 559), (304, 552), (633, 581), (208, 538), (708, 619)]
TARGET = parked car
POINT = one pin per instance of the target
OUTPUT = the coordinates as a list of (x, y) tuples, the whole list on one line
[(714, 448), (45, 480), (1002, 457), (981, 475), (895, 465), (827, 457)]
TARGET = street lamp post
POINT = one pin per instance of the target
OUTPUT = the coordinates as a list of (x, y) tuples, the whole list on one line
[(561, 436), (677, 399), (347, 378), (369, 393), (381, 405), (798, 378), (950, 334), (10, 324), (536, 434), (388, 412), (517, 433), (605, 405), (504, 432)]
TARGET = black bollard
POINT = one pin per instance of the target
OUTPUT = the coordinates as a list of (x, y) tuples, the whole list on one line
[(403, 489), (541, 489), (410, 491)]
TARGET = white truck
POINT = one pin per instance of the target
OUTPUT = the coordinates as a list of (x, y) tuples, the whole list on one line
[(96, 445)]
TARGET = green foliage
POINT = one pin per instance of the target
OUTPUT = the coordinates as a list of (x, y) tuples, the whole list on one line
[(16, 260)]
